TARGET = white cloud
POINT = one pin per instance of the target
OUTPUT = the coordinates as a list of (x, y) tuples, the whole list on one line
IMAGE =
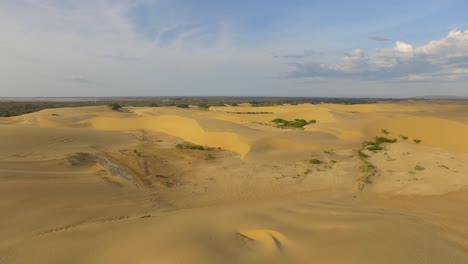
[(403, 47), (438, 60)]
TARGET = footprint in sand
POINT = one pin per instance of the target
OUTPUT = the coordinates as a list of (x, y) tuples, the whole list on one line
[(268, 239)]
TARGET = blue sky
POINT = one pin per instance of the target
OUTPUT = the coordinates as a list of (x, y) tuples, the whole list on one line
[(233, 48)]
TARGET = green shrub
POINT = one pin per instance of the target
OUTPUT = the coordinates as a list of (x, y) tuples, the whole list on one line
[(380, 140), (316, 161), (115, 106), (203, 106), (403, 137), (419, 168), (190, 146), (375, 148), (362, 154), (417, 141), (295, 124), (153, 105)]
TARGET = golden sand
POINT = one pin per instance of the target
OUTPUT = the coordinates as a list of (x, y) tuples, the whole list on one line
[(91, 185)]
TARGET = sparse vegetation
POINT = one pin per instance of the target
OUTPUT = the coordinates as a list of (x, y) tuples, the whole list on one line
[(203, 106), (375, 148), (417, 141), (250, 113), (54, 114), (362, 155), (295, 124), (403, 137), (376, 144), (209, 157), (384, 132), (137, 153), (367, 167), (182, 105), (153, 105), (190, 146)]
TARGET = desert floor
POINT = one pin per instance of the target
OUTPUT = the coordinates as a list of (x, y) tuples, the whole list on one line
[(92, 185)]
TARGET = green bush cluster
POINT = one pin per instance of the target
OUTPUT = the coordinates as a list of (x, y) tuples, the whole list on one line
[(115, 106), (295, 124), (203, 106), (182, 105), (190, 146), (376, 144), (316, 161)]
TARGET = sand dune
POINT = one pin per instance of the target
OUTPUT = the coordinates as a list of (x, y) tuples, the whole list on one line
[(92, 185)]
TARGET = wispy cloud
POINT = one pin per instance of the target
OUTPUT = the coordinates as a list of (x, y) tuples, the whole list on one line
[(122, 58), (81, 80), (299, 55), (438, 60), (379, 38)]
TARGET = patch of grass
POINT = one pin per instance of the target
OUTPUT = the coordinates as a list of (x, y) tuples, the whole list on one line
[(316, 161), (417, 141), (295, 124), (190, 146), (419, 168), (55, 115), (115, 106), (411, 172)]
